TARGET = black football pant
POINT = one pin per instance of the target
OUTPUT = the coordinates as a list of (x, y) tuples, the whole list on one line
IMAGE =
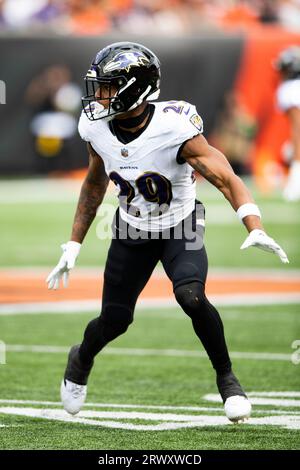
[(129, 266)]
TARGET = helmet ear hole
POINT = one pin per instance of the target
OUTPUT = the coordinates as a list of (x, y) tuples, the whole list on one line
[(117, 106)]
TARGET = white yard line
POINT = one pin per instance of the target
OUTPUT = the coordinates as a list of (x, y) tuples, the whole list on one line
[(255, 400), (170, 421), (114, 405), (259, 356), (69, 306), (275, 394), (153, 407), (81, 306)]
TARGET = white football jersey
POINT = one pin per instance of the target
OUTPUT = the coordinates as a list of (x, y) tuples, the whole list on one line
[(156, 191), (288, 94)]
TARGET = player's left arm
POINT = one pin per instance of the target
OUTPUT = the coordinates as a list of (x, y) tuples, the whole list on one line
[(213, 166)]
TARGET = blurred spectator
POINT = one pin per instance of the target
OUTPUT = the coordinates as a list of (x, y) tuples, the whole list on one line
[(240, 13), (87, 17), (18, 14), (55, 101), (149, 16), (289, 14), (267, 10), (170, 17), (51, 11), (2, 20)]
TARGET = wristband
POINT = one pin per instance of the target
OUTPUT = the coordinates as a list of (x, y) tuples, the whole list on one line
[(248, 209)]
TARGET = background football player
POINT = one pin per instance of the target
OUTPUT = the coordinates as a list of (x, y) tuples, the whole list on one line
[(150, 151), (288, 98)]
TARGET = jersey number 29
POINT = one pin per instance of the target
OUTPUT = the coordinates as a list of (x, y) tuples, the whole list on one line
[(152, 186)]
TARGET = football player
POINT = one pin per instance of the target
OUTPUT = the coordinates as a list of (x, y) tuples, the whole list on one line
[(150, 151), (288, 99)]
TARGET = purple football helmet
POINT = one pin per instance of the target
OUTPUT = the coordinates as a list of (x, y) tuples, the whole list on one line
[(132, 73)]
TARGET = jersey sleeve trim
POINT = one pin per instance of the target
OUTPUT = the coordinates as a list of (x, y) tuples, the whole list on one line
[(179, 159)]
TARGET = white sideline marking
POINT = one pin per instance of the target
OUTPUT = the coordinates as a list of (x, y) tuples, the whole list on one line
[(75, 306), (114, 405), (150, 352), (172, 421), (275, 394), (59, 415), (69, 306), (145, 407), (215, 398)]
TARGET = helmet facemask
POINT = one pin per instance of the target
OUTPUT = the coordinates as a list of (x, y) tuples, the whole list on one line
[(113, 105)]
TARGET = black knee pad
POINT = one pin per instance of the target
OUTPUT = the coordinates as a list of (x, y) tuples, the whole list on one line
[(190, 297), (115, 319)]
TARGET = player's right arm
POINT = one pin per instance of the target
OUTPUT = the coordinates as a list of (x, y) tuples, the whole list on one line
[(91, 195)]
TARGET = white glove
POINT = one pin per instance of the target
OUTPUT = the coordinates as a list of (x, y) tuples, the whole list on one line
[(260, 239), (66, 262)]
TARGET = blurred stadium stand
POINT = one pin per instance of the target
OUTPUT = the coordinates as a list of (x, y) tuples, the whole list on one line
[(86, 17)]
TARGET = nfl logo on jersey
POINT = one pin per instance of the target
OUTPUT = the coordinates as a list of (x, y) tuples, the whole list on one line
[(124, 152)]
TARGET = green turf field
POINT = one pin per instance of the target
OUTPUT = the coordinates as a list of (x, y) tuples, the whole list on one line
[(152, 388), (151, 378)]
